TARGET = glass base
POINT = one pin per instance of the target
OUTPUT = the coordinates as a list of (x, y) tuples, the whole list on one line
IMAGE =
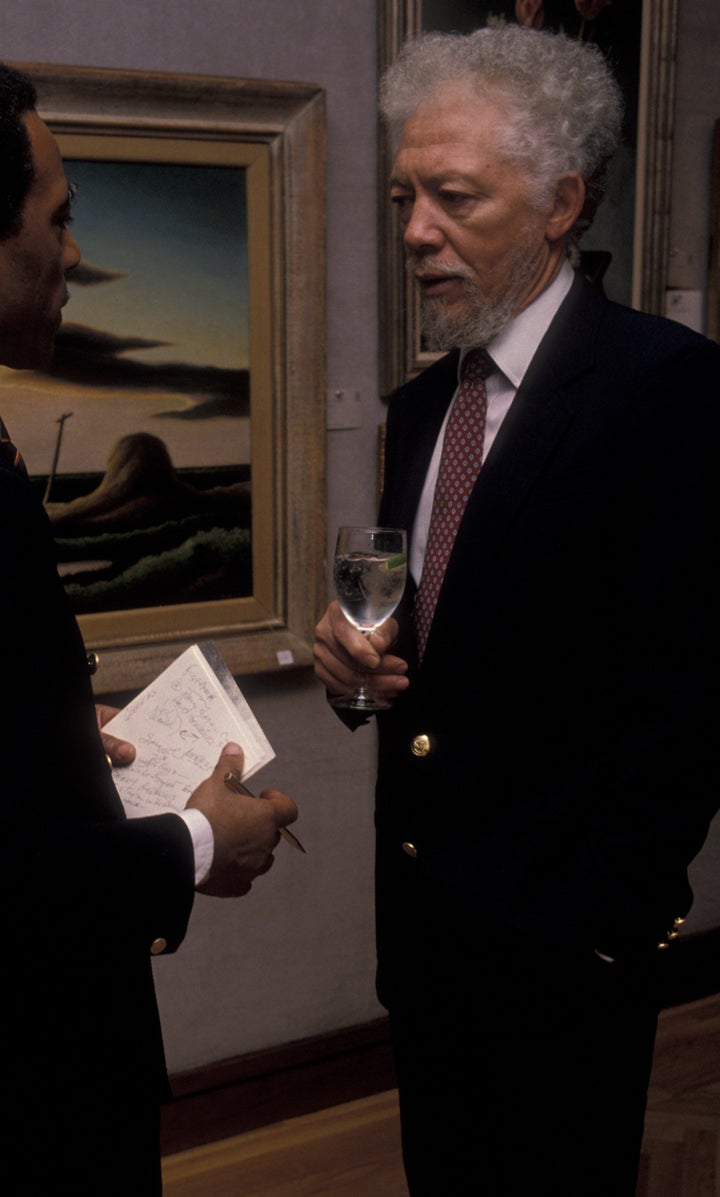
[(359, 701)]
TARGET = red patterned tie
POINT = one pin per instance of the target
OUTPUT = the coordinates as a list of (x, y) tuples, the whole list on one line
[(462, 456)]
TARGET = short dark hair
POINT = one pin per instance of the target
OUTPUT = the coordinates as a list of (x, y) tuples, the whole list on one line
[(17, 96)]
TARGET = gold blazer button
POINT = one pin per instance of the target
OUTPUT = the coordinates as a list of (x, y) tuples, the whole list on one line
[(420, 746), (157, 946), (409, 850)]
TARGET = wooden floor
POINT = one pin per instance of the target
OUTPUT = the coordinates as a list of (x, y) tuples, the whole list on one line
[(349, 1151), (353, 1150), (681, 1152)]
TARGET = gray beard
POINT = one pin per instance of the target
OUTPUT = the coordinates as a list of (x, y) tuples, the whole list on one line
[(482, 318), (475, 325)]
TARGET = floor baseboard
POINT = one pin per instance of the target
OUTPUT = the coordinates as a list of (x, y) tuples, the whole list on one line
[(251, 1091)]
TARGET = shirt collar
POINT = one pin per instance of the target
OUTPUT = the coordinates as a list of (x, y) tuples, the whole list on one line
[(514, 348)]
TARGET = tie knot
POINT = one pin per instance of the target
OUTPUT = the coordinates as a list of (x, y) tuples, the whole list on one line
[(477, 364)]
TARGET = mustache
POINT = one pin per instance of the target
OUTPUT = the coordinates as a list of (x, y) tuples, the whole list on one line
[(430, 265)]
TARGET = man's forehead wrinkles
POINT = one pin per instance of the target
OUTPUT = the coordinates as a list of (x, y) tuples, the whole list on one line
[(462, 154), (434, 175)]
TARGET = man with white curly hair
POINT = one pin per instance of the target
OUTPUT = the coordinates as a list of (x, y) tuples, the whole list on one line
[(548, 765)]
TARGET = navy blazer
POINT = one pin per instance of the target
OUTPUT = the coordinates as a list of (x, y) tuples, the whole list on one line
[(568, 692), (85, 893)]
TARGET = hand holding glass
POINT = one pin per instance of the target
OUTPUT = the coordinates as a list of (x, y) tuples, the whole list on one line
[(370, 572)]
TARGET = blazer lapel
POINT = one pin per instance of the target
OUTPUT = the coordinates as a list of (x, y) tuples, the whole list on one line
[(540, 413), (420, 415)]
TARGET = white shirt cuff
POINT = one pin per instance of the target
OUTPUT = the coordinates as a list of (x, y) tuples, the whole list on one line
[(203, 840)]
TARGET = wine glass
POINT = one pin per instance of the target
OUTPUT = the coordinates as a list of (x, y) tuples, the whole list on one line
[(369, 572)]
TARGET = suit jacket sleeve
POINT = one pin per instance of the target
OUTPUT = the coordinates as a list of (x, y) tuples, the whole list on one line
[(78, 877)]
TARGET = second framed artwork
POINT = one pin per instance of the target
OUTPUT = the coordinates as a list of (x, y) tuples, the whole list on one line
[(626, 250), (178, 440)]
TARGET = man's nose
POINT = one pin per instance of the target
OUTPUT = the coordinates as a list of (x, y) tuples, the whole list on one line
[(421, 229)]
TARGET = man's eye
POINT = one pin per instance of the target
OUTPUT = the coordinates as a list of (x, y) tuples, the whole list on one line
[(403, 205), (65, 216), (454, 197)]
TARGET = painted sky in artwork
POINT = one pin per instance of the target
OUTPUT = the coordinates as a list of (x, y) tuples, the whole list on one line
[(178, 235), (155, 337)]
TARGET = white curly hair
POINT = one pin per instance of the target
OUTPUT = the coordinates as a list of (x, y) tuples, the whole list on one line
[(564, 108)]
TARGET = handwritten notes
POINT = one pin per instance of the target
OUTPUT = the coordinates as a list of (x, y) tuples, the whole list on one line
[(179, 724)]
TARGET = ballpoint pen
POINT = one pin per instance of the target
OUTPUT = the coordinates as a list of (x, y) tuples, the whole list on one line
[(233, 782)]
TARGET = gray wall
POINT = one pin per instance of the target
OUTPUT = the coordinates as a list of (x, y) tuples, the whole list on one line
[(295, 958)]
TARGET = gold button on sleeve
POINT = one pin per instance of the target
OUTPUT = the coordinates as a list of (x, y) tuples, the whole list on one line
[(420, 745), (157, 946), (409, 849)]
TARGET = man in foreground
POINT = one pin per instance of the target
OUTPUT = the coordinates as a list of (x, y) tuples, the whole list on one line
[(549, 765), (87, 896)]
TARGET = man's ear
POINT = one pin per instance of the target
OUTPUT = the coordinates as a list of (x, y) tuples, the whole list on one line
[(567, 206)]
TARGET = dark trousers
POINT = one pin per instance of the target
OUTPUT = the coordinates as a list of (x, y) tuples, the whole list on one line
[(81, 1149), (525, 1074)]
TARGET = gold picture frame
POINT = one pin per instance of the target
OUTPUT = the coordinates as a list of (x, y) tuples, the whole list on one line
[(401, 352), (275, 133)]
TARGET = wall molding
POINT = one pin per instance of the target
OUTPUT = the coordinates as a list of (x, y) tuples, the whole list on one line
[(247, 1092)]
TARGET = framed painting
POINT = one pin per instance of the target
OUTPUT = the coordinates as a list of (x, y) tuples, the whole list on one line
[(626, 250), (178, 439)]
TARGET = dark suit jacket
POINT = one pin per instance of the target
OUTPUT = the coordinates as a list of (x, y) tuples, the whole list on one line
[(569, 685), (85, 893)]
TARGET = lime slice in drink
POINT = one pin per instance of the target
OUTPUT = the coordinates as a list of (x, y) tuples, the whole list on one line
[(396, 562)]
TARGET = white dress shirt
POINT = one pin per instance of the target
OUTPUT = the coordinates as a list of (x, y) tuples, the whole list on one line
[(511, 351)]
